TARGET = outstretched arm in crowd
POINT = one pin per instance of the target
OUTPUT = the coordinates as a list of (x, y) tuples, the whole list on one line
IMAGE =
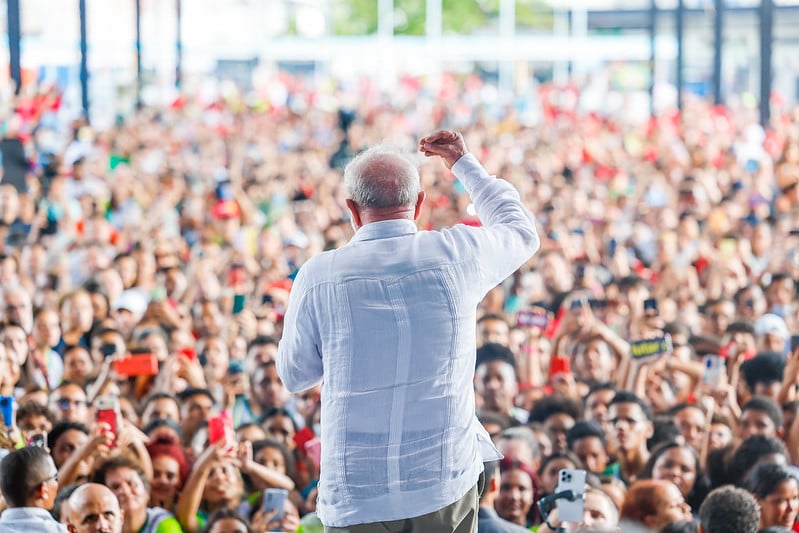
[(245, 461), (97, 446), (191, 496)]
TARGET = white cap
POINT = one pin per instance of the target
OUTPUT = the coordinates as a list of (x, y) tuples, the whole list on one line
[(132, 300), (771, 324)]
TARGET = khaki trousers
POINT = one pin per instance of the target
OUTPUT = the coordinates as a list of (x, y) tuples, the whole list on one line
[(458, 517)]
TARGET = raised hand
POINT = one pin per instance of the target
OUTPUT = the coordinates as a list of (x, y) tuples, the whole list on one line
[(448, 145)]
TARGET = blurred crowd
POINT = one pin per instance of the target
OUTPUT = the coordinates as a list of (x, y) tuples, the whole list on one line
[(144, 270)]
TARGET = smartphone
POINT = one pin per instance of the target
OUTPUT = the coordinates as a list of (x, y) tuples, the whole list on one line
[(7, 408), (715, 367), (651, 307), (612, 244), (189, 353), (238, 303), (532, 319), (38, 441), (275, 499), (236, 275), (727, 247), (108, 349), (577, 304), (559, 365), (236, 366), (145, 364), (313, 448), (595, 303), (574, 480), (218, 427), (106, 408)]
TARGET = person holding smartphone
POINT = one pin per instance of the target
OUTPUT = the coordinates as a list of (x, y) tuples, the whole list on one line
[(410, 300)]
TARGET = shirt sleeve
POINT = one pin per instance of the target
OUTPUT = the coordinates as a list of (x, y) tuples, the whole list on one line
[(508, 236), (299, 362)]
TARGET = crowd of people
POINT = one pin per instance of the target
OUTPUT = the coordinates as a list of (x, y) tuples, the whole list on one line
[(145, 271)]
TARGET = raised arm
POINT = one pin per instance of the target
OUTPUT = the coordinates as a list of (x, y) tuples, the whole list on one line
[(508, 236)]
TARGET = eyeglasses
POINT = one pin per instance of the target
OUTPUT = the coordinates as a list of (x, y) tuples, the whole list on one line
[(64, 403), (53, 478)]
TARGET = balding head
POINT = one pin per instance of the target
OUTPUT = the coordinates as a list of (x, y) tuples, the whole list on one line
[(93, 508), (382, 177)]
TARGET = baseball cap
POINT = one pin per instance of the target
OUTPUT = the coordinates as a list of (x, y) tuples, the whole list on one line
[(132, 300), (771, 324)]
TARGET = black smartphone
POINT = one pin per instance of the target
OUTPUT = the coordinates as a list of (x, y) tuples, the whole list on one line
[(651, 307), (596, 303), (108, 349), (794, 343)]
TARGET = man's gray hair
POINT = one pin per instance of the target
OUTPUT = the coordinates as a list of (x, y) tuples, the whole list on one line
[(382, 176)]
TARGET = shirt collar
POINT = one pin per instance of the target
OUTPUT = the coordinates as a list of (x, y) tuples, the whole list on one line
[(385, 229), (23, 512)]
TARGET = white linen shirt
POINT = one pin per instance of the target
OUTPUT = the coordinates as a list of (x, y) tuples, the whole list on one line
[(387, 323), (28, 520)]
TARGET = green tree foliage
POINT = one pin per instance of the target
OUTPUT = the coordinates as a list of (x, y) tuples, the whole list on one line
[(459, 17)]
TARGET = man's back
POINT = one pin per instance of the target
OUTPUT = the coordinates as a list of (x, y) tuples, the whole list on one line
[(388, 321), (416, 302)]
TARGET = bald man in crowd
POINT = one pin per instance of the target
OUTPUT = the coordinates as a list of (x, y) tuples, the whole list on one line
[(93, 508)]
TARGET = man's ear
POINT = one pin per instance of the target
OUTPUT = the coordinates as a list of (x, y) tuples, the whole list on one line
[(419, 201), (356, 215)]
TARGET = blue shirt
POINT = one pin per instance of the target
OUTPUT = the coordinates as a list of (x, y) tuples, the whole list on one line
[(387, 323)]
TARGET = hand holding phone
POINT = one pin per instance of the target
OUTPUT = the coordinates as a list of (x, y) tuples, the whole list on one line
[(275, 500), (571, 510), (106, 410), (108, 349), (220, 429), (651, 307), (38, 440), (137, 365), (715, 369), (558, 365), (189, 353)]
